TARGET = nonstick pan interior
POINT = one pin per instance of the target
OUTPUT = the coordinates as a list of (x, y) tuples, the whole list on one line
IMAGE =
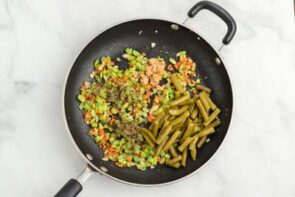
[(169, 39)]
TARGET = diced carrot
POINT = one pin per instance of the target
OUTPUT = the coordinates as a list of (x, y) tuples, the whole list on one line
[(129, 158), (150, 117), (170, 67)]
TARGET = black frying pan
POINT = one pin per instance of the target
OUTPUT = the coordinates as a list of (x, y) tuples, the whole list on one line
[(169, 37)]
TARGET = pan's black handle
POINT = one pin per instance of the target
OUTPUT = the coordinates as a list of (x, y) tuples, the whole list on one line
[(219, 11), (70, 189), (74, 186)]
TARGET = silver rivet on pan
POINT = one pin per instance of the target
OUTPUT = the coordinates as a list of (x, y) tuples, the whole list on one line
[(103, 168), (89, 157), (174, 27), (198, 38), (217, 61)]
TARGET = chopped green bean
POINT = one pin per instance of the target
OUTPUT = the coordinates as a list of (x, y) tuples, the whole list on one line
[(185, 143), (177, 94), (203, 88), (179, 87), (192, 105), (194, 142), (176, 112), (173, 165), (210, 102), (160, 147), (162, 135), (180, 118), (172, 139), (177, 127), (206, 131), (187, 102), (184, 157), (201, 142), (190, 128), (212, 116), (155, 128), (193, 153), (202, 110), (203, 99), (175, 159), (148, 140), (166, 123), (179, 100), (148, 133), (160, 116), (215, 123), (173, 151), (163, 119), (186, 93), (196, 129), (171, 118), (194, 113)]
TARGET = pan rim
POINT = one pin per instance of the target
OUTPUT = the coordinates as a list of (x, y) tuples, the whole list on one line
[(93, 166)]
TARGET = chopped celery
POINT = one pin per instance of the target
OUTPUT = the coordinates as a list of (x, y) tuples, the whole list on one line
[(81, 98), (172, 61)]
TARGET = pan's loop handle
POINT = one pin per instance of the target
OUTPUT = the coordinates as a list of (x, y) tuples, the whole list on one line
[(74, 186), (219, 11)]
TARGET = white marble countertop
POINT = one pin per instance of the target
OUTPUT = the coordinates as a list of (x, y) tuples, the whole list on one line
[(39, 40)]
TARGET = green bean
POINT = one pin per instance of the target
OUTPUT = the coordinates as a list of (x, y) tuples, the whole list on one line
[(171, 118), (173, 165), (176, 112), (203, 88), (184, 124), (198, 120), (177, 127), (177, 94), (203, 99), (160, 147), (163, 119), (212, 116), (214, 124), (201, 142), (147, 139), (179, 100), (184, 157), (187, 102), (202, 110), (192, 105), (175, 159), (196, 129), (180, 118), (161, 130), (160, 116), (210, 102), (186, 93), (162, 135), (194, 113), (185, 143), (177, 84), (155, 128), (188, 131), (173, 151), (149, 134), (165, 124), (193, 153), (172, 139), (206, 131), (194, 142)]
